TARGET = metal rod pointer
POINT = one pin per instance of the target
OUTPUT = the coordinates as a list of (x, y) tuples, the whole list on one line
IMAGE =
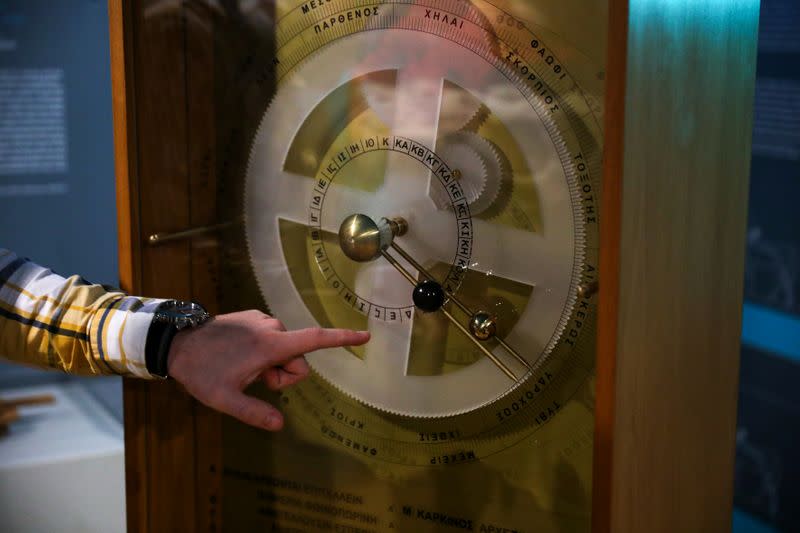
[(458, 302), (492, 357)]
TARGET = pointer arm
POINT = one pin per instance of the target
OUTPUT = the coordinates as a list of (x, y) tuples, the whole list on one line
[(362, 239), (492, 357)]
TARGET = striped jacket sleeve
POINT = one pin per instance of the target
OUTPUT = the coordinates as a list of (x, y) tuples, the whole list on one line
[(68, 324)]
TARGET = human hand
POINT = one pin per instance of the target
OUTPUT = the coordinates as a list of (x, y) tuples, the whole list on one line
[(218, 360)]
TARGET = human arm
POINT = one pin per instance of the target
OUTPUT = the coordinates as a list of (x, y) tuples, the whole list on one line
[(72, 325)]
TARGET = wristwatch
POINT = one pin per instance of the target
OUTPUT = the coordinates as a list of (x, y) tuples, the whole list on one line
[(169, 318)]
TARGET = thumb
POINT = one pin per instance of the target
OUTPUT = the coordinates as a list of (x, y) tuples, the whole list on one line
[(252, 411)]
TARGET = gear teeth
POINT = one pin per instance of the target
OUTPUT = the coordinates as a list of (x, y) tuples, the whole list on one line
[(506, 180), (487, 185), (460, 155), (477, 120)]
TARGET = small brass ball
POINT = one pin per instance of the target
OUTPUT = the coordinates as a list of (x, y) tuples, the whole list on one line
[(483, 326)]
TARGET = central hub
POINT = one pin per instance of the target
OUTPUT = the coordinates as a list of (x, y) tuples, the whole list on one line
[(362, 239)]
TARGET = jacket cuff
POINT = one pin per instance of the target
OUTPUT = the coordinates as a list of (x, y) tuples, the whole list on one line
[(118, 335)]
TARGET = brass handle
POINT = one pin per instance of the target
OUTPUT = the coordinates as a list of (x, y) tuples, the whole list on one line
[(164, 237)]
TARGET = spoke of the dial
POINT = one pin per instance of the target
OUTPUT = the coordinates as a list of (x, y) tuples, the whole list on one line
[(294, 194), (340, 199), (291, 192), (387, 354), (417, 101), (497, 249)]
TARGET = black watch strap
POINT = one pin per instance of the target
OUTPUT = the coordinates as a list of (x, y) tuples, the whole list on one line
[(157, 345), (170, 317)]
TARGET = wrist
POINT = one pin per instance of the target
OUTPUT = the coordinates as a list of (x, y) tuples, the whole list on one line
[(177, 351), (170, 320)]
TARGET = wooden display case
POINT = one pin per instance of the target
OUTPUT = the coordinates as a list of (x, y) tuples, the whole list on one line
[(672, 91)]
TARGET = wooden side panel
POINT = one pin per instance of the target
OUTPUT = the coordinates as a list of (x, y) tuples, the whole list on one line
[(205, 252), (135, 409), (608, 301), (683, 176), (161, 117), (151, 139), (123, 102)]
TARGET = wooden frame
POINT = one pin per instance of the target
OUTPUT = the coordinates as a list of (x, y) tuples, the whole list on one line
[(162, 423), (672, 241), (676, 177)]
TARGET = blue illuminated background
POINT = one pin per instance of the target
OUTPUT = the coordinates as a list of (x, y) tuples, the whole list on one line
[(767, 460)]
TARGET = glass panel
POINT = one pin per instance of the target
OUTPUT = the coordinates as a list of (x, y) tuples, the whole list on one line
[(475, 126)]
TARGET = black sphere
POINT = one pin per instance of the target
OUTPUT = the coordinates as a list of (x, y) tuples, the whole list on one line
[(428, 296)]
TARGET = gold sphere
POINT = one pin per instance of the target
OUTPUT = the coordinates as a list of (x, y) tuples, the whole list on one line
[(483, 326), (360, 238)]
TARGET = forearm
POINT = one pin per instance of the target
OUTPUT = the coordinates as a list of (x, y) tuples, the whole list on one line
[(71, 325), (66, 323)]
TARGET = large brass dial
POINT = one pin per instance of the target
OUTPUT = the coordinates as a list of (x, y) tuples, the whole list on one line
[(464, 123)]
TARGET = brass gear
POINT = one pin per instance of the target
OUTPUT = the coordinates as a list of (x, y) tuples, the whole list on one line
[(482, 168)]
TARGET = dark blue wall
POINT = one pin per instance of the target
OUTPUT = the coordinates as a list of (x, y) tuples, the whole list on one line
[(74, 231), (768, 463)]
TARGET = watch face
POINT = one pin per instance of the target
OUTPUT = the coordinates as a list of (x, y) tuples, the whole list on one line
[(183, 314), (189, 308)]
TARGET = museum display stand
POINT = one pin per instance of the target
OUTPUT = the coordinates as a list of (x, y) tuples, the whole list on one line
[(593, 159)]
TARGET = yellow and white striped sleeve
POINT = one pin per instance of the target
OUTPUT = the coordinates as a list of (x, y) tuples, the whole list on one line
[(69, 324)]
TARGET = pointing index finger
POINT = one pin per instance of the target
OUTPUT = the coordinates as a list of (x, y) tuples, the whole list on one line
[(310, 339)]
